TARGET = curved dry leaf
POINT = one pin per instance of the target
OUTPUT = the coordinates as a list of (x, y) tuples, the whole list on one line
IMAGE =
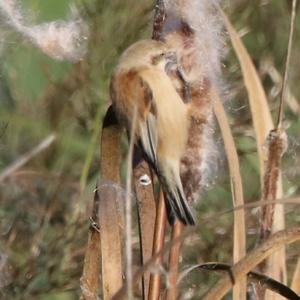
[(253, 277), (263, 124), (262, 119), (239, 270), (239, 242)]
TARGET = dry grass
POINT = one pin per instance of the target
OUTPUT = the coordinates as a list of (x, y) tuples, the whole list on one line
[(270, 242), (111, 230)]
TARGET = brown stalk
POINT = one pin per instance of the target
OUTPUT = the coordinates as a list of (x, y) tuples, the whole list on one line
[(277, 144), (106, 231), (253, 258), (174, 257), (161, 217), (158, 245), (296, 277), (89, 281), (128, 206), (276, 147), (112, 197), (146, 212), (152, 263), (284, 91)]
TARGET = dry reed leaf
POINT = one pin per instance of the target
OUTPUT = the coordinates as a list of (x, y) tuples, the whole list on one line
[(239, 242), (262, 120), (263, 124), (106, 244), (89, 280), (110, 224), (251, 260), (110, 207)]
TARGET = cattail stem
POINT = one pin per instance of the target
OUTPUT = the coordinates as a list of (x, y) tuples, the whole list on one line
[(174, 262), (287, 64), (128, 217), (158, 244)]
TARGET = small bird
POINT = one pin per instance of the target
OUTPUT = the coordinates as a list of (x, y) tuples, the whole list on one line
[(141, 84)]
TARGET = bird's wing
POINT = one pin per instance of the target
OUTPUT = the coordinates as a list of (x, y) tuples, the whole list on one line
[(162, 137), (148, 136), (147, 121)]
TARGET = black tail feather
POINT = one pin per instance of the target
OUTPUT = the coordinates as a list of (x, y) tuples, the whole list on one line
[(183, 213), (175, 209)]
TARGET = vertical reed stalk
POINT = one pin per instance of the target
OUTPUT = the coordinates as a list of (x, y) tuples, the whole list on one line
[(128, 213), (174, 258), (158, 244), (100, 253)]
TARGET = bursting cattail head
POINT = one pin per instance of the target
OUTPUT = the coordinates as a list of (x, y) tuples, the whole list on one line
[(194, 28), (202, 18)]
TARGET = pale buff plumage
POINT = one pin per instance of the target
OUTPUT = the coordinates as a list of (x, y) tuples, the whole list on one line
[(141, 80), (174, 105)]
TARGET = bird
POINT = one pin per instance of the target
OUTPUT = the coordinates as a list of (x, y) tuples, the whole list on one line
[(142, 88)]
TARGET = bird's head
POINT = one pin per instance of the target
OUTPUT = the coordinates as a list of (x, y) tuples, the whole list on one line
[(149, 53)]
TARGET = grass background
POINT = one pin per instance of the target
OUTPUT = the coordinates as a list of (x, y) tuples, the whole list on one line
[(45, 206)]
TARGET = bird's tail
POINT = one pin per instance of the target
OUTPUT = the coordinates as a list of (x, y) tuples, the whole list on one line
[(176, 202)]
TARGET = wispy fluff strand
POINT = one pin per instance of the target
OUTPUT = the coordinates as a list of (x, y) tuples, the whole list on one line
[(60, 39), (204, 19)]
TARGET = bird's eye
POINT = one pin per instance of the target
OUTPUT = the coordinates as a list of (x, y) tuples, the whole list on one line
[(157, 58)]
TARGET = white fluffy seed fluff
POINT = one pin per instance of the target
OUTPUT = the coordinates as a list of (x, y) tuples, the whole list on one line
[(62, 40), (204, 19)]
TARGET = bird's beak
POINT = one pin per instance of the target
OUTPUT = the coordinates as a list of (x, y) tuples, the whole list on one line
[(171, 58)]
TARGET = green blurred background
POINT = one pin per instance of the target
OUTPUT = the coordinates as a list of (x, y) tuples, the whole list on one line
[(45, 205)]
